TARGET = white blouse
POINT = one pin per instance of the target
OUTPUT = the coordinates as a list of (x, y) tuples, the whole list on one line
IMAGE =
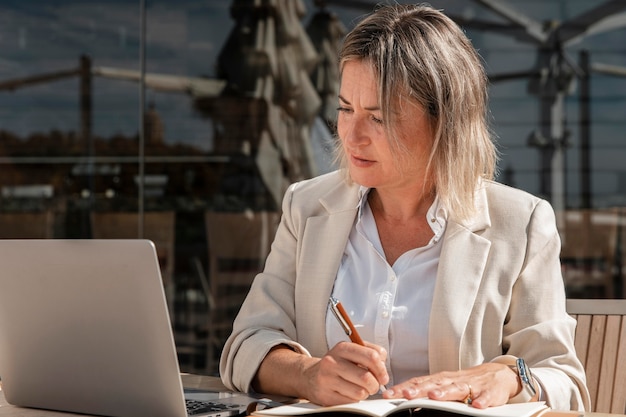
[(389, 304)]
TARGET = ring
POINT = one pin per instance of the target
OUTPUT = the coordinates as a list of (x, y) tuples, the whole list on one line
[(468, 399)]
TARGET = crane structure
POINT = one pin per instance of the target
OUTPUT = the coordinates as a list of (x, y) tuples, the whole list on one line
[(284, 74), (551, 79)]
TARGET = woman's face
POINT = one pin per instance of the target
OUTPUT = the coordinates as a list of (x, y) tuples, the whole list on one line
[(363, 135)]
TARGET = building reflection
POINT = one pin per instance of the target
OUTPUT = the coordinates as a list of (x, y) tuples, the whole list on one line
[(266, 120), (211, 212)]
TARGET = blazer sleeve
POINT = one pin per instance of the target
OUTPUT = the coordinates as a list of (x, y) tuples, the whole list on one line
[(539, 328), (267, 316)]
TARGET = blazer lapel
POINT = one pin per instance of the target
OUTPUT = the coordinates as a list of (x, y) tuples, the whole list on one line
[(461, 266), (323, 244)]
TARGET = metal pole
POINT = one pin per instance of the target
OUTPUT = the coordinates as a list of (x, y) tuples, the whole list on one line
[(585, 132), (85, 102), (142, 109), (85, 122), (557, 163)]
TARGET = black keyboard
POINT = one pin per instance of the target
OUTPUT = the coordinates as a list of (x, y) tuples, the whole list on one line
[(200, 407)]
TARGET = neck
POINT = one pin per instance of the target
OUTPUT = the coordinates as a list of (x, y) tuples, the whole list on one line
[(400, 207)]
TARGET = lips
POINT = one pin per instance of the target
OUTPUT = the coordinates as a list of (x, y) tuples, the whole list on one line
[(360, 160), (356, 156)]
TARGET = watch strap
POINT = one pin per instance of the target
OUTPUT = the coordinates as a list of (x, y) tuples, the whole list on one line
[(529, 390)]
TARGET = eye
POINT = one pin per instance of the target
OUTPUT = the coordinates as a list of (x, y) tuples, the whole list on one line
[(341, 109), (377, 120)]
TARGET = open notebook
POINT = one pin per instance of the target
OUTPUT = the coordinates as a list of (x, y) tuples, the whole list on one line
[(84, 327)]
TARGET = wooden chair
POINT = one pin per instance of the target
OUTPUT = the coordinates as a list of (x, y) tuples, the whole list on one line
[(27, 225), (621, 253), (238, 244), (159, 227), (588, 254), (601, 347)]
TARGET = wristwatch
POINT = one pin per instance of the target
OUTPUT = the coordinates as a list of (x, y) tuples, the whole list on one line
[(526, 377), (529, 391)]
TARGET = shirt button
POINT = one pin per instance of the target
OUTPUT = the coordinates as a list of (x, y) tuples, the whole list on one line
[(385, 314), (392, 277)]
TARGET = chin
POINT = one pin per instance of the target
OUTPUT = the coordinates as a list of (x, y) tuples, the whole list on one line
[(364, 181), (367, 177)]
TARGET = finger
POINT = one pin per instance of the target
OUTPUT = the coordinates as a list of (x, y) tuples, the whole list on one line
[(412, 388), (366, 379), (340, 394), (370, 357), (381, 350), (350, 364), (452, 391), (380, 368), (337, 381)]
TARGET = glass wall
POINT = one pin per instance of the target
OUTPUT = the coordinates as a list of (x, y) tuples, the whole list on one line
[(193, 147)]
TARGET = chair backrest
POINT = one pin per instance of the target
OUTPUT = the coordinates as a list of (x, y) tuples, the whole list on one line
[(601, 347), (27, 225), (589, 241), (238, 244), (159, 227)]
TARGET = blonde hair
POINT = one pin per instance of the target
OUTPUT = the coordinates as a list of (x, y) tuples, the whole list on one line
[(420, 54)]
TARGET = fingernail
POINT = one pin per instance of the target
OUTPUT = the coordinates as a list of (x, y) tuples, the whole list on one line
[(436, 393), (412, 392)]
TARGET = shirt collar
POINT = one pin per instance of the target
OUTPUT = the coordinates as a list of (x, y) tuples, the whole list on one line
[(437, 215)]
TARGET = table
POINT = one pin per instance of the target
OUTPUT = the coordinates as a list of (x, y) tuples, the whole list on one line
[(214, 384), (189, 381)]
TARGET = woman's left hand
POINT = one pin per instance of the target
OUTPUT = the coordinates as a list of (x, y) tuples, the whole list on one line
[(486, 385)]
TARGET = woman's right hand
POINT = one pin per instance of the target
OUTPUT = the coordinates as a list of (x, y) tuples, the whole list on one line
[(347, 373)]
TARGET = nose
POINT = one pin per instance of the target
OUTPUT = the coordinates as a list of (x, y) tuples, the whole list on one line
[(352, 130)]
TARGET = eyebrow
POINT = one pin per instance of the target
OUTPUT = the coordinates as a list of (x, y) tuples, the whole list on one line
[(371, 108)]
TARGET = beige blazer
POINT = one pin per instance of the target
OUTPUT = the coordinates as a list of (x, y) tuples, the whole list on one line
[(499, 288)]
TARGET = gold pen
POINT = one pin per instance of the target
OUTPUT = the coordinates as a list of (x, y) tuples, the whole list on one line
[(344, 320)]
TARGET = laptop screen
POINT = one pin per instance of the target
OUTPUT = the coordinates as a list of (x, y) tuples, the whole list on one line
[(84, 327)]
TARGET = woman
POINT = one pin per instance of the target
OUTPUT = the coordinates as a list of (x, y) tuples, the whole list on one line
[(451, 276)]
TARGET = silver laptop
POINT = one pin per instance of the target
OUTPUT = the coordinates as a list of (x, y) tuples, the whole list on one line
[(84, 328)]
